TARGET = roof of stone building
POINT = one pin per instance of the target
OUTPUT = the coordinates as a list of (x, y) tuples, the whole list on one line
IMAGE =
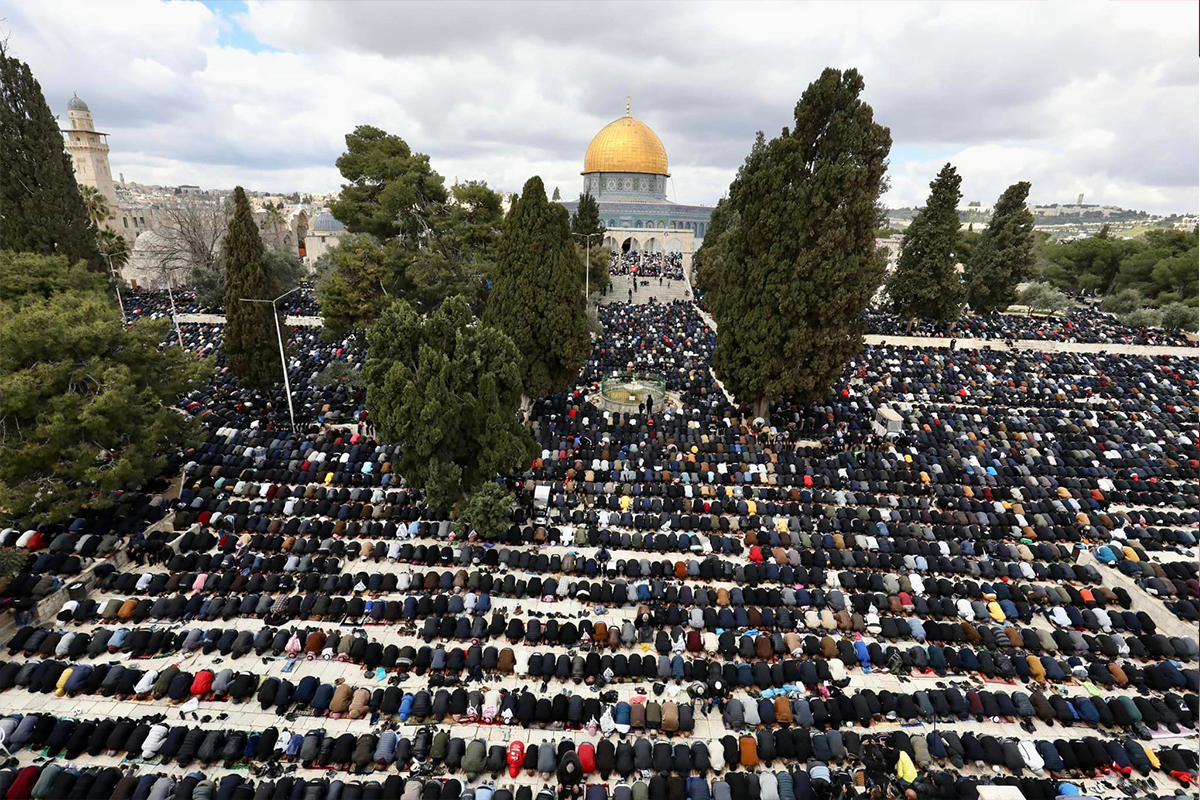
[(327, 222)]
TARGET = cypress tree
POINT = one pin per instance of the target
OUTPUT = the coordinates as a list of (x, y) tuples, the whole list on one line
[(925, 283), (251, 346), (587, 217), (799, 262), (41, 209), (1004, 255), (446, 389), (537, 298)]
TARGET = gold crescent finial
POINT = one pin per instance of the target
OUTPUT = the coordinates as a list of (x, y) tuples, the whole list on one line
[(627, 105)]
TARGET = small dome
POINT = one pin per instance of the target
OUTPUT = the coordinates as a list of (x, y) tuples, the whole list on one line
[(327, 222), (626, 145), (75, 104)]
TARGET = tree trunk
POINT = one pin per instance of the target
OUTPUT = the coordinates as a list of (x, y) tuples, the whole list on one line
[(526, 407), (762, 408)]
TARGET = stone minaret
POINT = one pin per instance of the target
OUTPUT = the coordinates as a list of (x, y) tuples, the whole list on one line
[(88, 148)]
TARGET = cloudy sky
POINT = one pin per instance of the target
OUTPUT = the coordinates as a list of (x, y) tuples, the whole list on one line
[(1099, 97)]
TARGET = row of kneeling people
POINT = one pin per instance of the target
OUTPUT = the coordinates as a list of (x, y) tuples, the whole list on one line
[(567, 762), (911, 572), (1168, 711), (1094, 609), (649, 629), (807, 660), (464, 590)]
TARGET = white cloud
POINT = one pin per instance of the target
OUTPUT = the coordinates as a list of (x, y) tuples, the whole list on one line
[(1099, 98)]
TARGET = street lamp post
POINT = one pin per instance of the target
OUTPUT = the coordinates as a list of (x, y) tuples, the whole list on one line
[(587, 260), (174, 314), (287, 384), (116, 285)]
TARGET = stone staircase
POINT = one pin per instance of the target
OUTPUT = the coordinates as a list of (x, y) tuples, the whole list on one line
[(668, 292)]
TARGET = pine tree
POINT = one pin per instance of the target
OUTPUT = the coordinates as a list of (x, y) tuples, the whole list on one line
[(537, 299), (87, 403), (41, 209), (1004, 255), (925, 283), (557, 196), (390, 190), (251, 344), (446, 389), (798, 251), (587, 218)]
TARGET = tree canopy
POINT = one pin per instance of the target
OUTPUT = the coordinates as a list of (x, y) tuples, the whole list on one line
[(926, 283), (41, 208), (1044, 297), (586, 221), (113, 247), (447, 390), (251, 345), (95, 204), (1159, 266), (1004, 255), (86, 403), (537, 298), (411, 242), (358, 280), (473, 225), (487, 511), (390, 191), (793, 262)]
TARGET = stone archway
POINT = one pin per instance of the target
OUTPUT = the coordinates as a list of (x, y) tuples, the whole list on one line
[(674, 246), (631, 245), (653, 245), (611, 243)]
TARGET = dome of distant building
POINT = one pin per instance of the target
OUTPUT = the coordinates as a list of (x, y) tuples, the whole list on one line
[(75, 104), (626, 145), (327, 222), (625, 171)]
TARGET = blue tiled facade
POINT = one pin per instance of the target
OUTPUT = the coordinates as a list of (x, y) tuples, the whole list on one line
[(633, 200)]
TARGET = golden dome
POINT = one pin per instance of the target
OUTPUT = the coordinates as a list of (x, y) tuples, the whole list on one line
[(626, 145)]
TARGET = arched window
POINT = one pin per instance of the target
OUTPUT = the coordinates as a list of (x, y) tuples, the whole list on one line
[(612, 223), (638, 224)]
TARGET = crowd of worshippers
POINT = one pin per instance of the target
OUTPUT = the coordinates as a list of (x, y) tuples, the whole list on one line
[(791, 765), (1081, 324), (143, 303), (224, 401), (927, 553), (669, 339), (648, 265)]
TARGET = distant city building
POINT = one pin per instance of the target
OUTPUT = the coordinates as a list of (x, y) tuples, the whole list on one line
[(625, 169), (324, 235)]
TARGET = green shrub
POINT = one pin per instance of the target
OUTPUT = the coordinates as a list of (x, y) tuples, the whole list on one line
[(1143, 318), (487, 511), (1044, 297), (1123, 302), (12, 561), (1177, 316), (339, 373)]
